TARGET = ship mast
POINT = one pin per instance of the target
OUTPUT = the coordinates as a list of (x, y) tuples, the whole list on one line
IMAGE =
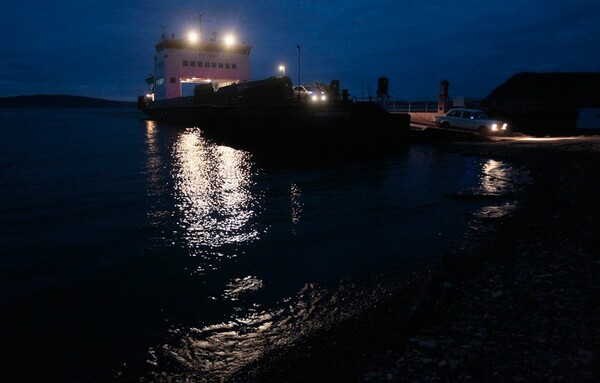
[(199, 19)]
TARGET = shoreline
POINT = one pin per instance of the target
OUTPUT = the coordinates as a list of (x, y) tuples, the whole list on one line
[(525, 312), (517, 307)]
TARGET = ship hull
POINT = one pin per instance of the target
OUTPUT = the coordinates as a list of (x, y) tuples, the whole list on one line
[(291, 124)]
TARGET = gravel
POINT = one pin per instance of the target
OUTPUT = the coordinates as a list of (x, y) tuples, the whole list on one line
[(521, 306), (529, 311)]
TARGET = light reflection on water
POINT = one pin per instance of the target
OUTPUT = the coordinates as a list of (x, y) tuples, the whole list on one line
[(240, 286), (114, 245), (295, 194), (212, 192), (216, 203), (154, 161), (498, 179), (158, 180), (215, 352), (494, 178)]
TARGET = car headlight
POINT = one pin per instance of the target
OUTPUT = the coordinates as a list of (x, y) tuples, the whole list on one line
[(314, 97), (494, 127), (504, 126), (323, 97)]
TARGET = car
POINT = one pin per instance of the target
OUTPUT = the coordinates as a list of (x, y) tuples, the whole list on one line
[(471, 119), (309, 93)]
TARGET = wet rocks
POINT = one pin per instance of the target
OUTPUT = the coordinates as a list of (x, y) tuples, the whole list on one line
[(529, 313), (519, 307), (526, 331)]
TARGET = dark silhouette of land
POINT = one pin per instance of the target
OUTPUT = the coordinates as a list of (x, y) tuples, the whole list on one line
[(548, 90), (59, 101)]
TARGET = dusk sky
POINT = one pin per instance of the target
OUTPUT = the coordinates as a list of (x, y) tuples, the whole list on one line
[(105, 48)]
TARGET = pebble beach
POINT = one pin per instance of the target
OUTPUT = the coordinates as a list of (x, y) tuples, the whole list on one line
[(521, 306)]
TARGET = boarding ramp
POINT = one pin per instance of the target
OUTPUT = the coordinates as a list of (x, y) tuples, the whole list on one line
[(421, 112)]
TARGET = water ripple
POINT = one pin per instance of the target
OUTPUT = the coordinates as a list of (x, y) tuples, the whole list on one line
[(212, 192)]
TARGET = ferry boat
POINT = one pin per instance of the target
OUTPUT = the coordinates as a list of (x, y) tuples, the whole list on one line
[(227, 104)]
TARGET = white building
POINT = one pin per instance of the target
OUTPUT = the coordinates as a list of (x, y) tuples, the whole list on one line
[(180, 61)]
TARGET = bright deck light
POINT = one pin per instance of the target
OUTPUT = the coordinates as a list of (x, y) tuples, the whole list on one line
[(229, 40), (193, 37)]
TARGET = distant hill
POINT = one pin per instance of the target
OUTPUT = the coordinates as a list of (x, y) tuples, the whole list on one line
[(59, 101)]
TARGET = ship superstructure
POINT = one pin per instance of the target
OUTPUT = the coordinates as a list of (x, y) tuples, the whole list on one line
[(181, 61), (268, 113)]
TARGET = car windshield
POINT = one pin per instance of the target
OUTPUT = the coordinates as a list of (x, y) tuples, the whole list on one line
[(311, 89)]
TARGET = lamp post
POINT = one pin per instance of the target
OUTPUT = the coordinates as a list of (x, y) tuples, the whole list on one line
[(298, 47), (282, 70)]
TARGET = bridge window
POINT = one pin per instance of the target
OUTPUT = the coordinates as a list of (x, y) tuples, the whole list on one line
[(185, 63), (213, 64), (173, 80), (227, 65), (199, 64), (220, 65), (192, 63), (206, 64), (234, 66)]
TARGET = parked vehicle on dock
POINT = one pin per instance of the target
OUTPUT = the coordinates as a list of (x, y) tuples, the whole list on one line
[(309, 93), (471, 119)]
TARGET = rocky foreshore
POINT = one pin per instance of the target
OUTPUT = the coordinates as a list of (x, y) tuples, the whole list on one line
[(522, 306), (527, 308)]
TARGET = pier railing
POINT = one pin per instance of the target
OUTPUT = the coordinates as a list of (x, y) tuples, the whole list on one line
[(426, 106)]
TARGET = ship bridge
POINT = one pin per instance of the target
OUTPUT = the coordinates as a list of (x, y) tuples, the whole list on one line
[(190, 61)]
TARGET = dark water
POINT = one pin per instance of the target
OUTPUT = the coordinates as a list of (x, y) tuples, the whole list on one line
[(131, 247)]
